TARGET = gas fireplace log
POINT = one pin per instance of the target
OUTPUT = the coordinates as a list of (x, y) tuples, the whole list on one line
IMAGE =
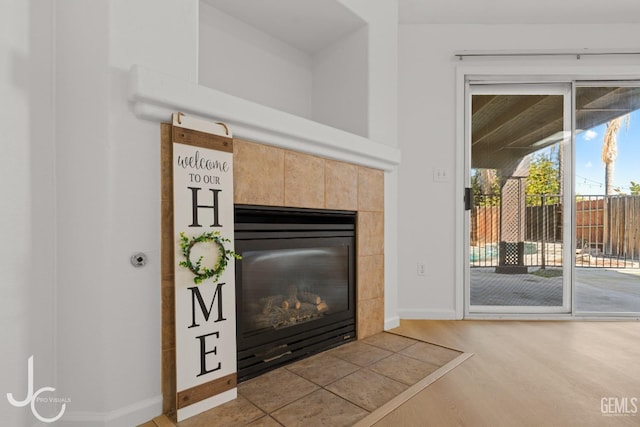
[(322, 307), (308, 310), (292, 301), (270, 302), (291, 304), (309, 297)]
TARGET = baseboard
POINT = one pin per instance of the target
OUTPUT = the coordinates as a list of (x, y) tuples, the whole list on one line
[(131, 415), (428, 314), (392, 322)]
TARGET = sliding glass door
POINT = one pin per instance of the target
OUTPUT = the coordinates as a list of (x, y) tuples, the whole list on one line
[(607, 199), (553, 198), (518, 177)]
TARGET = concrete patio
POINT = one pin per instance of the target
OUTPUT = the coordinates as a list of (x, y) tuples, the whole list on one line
[(598, 290)]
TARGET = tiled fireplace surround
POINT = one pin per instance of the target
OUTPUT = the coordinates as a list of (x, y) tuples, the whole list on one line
[(266, 175), (272, 176)]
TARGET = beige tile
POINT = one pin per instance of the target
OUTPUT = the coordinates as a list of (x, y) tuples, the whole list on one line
[(341, 190), (431, 353), (370, 277), (404, 369), (258, 172), (370, 317), (367, 389), (391, 342), (266, 421), (275, 389), (359, 353), (370, 233), (320, 408), (370, 189), (237, 412), (322, 368), (303, 180)]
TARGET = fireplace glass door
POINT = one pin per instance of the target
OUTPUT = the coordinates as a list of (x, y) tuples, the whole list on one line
[(295, 285), (285, 287)]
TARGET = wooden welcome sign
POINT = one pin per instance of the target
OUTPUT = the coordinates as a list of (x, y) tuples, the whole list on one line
[(199, 157)]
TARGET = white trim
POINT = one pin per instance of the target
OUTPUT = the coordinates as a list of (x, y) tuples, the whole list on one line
[(461, 232), (391, 322), (543, 88), (553, 317), (518, 309), (131, 415), (428, 314), (206, 404), (544, 52), (546, 73), (568, 221), (155, 96)]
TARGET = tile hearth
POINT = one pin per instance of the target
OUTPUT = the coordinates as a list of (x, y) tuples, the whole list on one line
[(335, 388)]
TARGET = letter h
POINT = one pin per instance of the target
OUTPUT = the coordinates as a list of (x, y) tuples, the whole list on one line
[(195, 206)]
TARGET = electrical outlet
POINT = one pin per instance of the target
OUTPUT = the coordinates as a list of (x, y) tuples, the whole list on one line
[(422, 269)]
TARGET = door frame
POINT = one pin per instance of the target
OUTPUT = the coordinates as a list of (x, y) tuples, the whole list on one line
[(551, 71), (525, 88)]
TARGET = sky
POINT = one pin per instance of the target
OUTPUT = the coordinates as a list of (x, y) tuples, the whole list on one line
[(589, 169)]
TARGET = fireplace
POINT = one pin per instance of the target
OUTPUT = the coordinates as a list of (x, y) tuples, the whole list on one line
[(295, 284)]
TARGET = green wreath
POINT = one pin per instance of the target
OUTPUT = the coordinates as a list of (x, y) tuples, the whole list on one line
[(202, 273)]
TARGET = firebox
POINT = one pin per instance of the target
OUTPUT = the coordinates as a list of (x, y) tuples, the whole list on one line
[(295, 284)]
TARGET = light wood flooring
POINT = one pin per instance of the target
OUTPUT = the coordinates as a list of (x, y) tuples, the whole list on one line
[(524, 374), (527, 374)]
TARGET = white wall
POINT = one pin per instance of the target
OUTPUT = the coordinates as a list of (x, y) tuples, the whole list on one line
[(382, 20), (428, 132), (27, 212), (240, 60), (108, 200), (82, 85), (340, 84)]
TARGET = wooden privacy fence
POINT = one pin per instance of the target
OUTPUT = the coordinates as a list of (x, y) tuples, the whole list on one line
[(610, 224), (606, 227)]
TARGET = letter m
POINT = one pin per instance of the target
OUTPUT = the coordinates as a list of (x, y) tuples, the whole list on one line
[(206, 312)]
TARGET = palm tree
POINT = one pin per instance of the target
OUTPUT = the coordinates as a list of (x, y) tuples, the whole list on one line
[(609, 155), (610, 150)]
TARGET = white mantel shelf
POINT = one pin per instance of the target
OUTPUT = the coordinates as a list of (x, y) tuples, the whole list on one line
[(155, 96)]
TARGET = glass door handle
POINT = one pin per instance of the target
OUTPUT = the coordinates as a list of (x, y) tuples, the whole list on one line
[(468, 198)]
